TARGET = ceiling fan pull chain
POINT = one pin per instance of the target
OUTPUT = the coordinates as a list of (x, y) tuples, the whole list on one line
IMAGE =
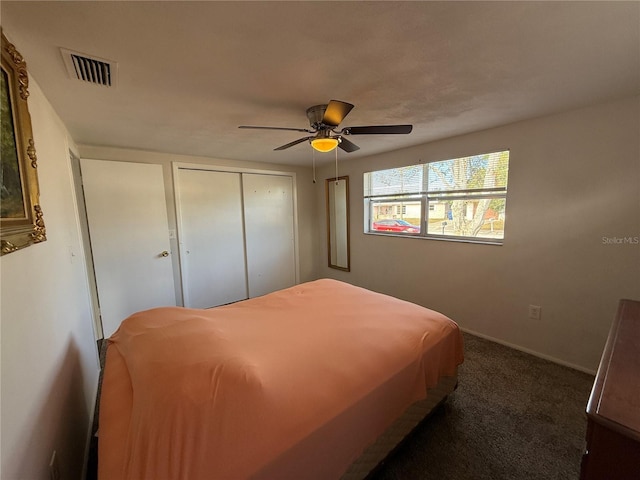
[(336, 150), (313, 162)]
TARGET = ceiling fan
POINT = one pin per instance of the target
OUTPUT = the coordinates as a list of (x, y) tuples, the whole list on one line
[(324, 121)]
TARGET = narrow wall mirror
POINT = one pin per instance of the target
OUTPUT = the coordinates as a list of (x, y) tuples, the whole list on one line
[(337, 193)]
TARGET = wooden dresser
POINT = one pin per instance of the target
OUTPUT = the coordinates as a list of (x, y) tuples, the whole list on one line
[(613, 411)]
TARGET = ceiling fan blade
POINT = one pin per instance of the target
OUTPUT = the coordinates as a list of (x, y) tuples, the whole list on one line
[(277, 128), (291, 144), (335, 112), (347, 145), (378, 130)]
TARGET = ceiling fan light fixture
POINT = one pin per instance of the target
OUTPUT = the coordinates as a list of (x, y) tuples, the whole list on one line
[(325, 144), (323, 122)]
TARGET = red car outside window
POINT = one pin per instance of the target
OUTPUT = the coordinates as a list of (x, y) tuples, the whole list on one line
[(395, 226)]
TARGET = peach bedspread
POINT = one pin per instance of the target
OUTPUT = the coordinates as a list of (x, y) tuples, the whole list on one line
[(303, 378)]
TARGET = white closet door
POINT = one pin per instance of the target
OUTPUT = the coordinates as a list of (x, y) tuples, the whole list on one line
[(270, 234), (127, 217), (211, 238)]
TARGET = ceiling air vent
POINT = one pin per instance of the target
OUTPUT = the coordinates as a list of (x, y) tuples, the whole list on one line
[(90, 69)]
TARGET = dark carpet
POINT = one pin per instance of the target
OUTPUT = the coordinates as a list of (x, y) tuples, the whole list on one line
[(513, 416)]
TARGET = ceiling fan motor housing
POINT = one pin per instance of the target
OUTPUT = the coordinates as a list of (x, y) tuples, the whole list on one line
[(315, 115)]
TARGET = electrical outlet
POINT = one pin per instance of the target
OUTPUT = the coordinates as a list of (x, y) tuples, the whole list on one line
[(54, 469), (535, 311)]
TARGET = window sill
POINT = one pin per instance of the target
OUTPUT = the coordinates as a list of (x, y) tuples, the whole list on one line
[(483, 241)]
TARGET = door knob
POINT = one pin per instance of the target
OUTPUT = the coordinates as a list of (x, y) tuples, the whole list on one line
[(164, 254)]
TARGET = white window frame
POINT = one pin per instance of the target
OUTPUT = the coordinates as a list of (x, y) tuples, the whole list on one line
[(427, 199)]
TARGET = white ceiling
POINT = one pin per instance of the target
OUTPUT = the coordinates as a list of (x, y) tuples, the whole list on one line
[(190, 72)]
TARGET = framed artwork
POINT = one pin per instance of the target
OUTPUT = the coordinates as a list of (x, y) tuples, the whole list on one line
[(21, 218)]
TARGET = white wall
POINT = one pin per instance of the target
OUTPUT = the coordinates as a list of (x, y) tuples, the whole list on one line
[(308, 241), (574, 178), (49, 357)]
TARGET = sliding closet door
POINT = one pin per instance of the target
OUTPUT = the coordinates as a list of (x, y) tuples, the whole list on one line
[(270, 232), (211, 237)]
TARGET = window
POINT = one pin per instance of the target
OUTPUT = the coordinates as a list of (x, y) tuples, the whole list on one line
[(458, 199)]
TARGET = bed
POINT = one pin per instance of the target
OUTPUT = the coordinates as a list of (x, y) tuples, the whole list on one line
[(317, 381)]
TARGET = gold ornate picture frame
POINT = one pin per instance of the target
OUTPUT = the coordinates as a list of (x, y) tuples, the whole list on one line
[(21, 219)]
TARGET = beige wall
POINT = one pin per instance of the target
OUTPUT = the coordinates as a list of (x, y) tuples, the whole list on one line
[(574, 178), (49, 357)]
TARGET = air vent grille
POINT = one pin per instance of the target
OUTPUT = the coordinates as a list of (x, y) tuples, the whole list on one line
[(89, 69)]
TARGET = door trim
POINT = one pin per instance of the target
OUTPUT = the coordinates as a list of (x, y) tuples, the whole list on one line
[(76, 171)]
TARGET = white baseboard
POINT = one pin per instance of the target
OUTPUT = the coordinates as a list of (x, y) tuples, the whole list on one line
[(531, 352)]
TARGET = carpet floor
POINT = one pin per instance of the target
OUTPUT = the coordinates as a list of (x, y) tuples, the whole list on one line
[(513, 416)]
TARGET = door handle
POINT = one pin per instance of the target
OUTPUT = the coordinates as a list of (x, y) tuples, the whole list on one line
[(164, 254)]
